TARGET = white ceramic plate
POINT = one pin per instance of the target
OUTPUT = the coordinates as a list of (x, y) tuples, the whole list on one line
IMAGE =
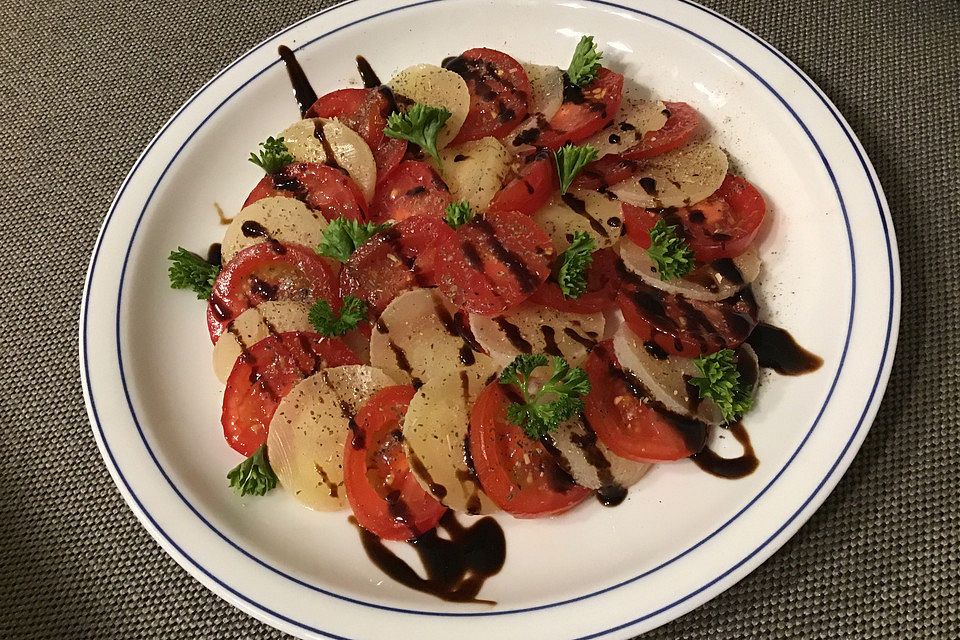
[(831, 277)]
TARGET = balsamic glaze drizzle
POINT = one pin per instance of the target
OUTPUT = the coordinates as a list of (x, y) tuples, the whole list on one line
[(776, 349), (302, 90), (455, 569), (739, 467)]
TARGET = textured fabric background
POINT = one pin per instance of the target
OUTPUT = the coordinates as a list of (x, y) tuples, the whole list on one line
[(86, 84)]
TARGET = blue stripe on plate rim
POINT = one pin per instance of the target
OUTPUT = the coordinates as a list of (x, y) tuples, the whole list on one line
[(869, 402)]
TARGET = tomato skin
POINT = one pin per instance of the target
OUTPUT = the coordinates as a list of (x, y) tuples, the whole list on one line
[(399, 509), (499, 93), (679, 127), (581, 118), (365, 111), (605, 172), (517, 472), (531, 189), (687, 327), (626, 420), (722, 225), (322, 188), (268, 271), (372, 275), (602, 286), (264, 374), (412, 189), (388, 157), (494, 262)]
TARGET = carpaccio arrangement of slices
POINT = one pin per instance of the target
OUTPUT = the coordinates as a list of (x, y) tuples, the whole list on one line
[(483, 286)]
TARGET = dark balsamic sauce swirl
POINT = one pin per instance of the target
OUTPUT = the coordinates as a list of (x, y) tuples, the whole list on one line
[(776, 349), (302, 90), (214, 256), (732, 468), (455, 569)]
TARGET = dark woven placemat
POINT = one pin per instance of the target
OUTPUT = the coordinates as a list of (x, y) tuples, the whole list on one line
[(84, 87)]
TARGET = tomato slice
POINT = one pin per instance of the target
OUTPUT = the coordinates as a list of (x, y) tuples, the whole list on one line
[(683, 326), (264, 373), (532, 187), (385, 497), (681, 122), (494, 262), (721, 226), (398, 259), (605, 172), (628, 420), (517, 472), (412, 189), (601, 293), (322, 188), (584, 112), (499, 93), (268, 271), (365, 111)]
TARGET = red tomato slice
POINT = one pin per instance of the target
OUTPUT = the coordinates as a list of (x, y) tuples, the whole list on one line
[(531, 189), (584, 112), (398, 259), (268, 271), (388, 157), (499, 93), (365, 111), (681, 122), (384, 495), (517, 472), (266, 372), (601, 294), (494, 262), (626, 418), (412, 189), (605, 172), (683, 326), (721, 226), (322, 188)]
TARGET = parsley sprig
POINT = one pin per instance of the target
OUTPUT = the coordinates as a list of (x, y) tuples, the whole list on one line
[(586, 62), (721, 383), (253, 476), (673, 255), (458, 214), (273, 155), (420, 125), (570, 160), (190, 271), (558, 399), (574, 262), (327, 323), (343, 235)]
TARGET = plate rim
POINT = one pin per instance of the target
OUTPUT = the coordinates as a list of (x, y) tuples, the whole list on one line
[(731, 575)]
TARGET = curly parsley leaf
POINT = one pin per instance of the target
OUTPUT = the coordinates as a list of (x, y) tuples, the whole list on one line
[(673, 255), (570, 160), (458, 213), (586, 62), (721, 383), (190, 271), (559, 398), (273, 155), (253, 476), (420, 125), (574, 262), (353, 311), (342, 237)]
